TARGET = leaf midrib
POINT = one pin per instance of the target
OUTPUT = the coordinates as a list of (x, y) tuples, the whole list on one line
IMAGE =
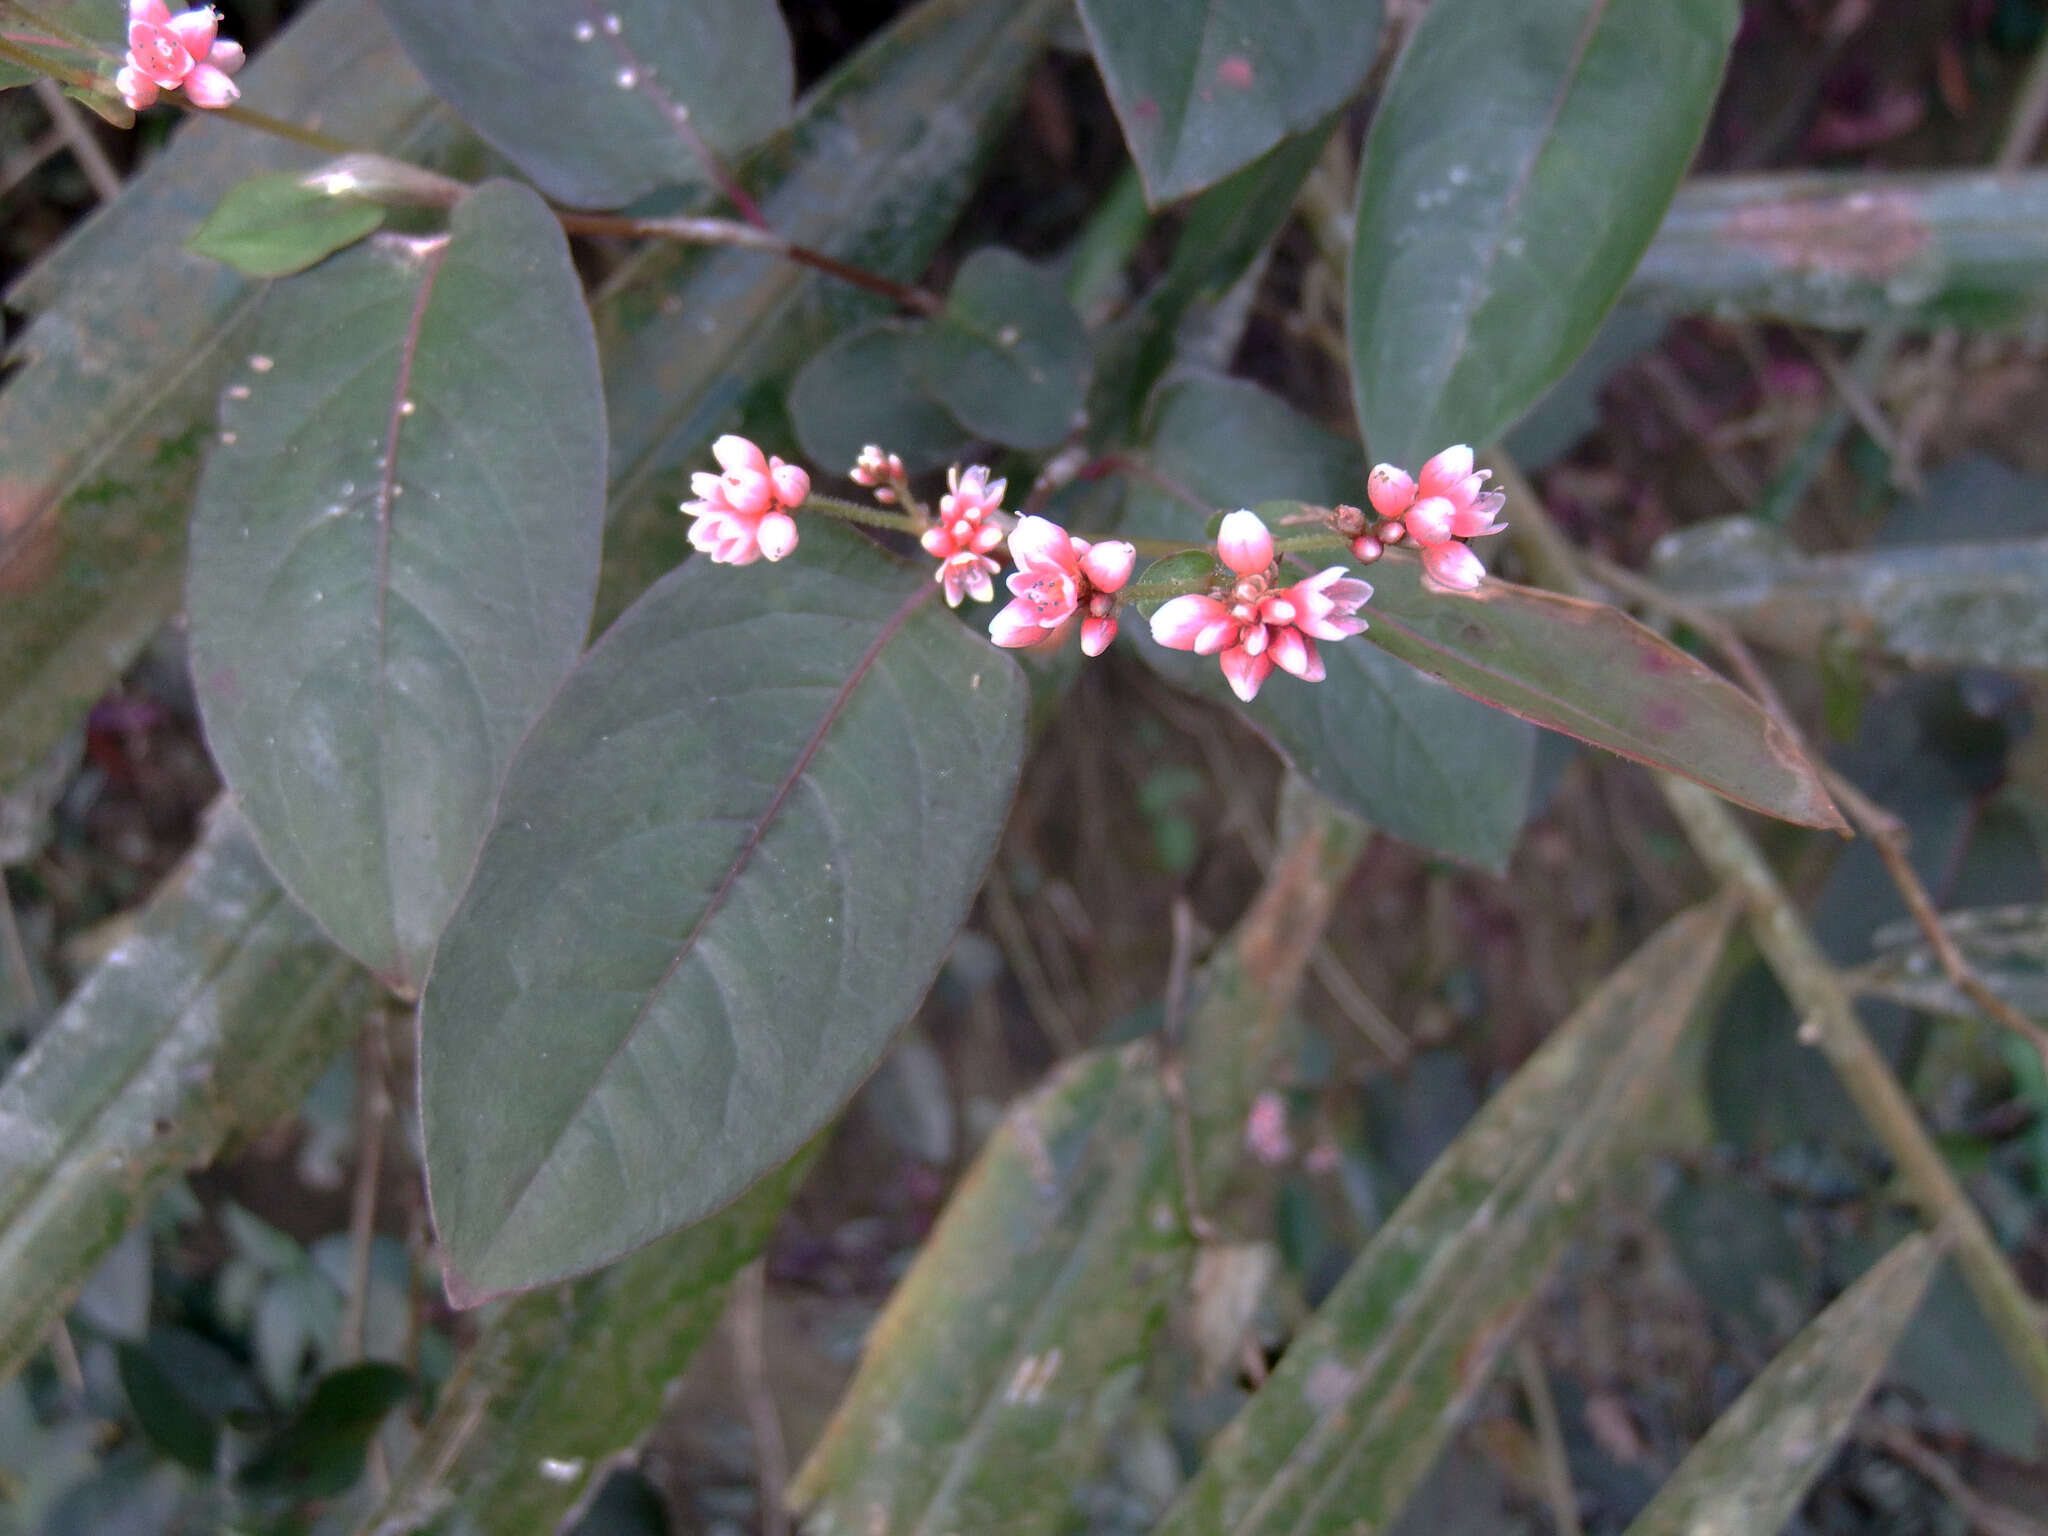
[(741, 858)]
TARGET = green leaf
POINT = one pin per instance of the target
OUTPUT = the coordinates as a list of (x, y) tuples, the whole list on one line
[(861, 389), (1188, 565), (1372, 1388), (122, 363), (2007, 947), (602, 103), (694, 336), (1952, 604), (725, 867), (82, 33), (271, 226), (1854, 249), (1003, 1369), (168, 1380), (564, 1379), (1408, 754), (1591, 671), (1222, 233), (1008, 358), (394, 556), (1204, 87), (1517, 168), (215, 1017), (319, 1452), (1757, 1462)]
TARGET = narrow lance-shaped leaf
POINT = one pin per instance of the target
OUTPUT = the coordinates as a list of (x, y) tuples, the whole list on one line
[(1854, 249), (272, 226), (604, 101), (725, 867), (1407, 753), (1369, 1391), (394, 557), (1757, 1462), (1515, 171), (72, 34), (1002, 1370), (2007, 947), (122, 362), (1591, 671), (214, 1018), (564, 1379), (1204, 87)]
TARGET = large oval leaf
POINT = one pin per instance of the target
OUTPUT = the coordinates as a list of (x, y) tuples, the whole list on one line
[(1204, 87), (394, 557), (1410, 755), (725, 868), (601, 103), (1516, 170)]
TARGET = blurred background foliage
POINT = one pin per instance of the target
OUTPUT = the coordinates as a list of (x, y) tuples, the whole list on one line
[(1814, 466)]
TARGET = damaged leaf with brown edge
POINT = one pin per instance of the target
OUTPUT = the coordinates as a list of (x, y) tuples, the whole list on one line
[(1372, 1388)]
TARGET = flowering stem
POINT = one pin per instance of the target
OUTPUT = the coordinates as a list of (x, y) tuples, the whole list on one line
[(276, 127), (871, 517), (1299, 542)]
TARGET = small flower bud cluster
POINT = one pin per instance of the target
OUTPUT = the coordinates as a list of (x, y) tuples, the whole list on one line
[(881, 472), (964, 534), (1252, 625), (1437, 511), (743, 514), (166, 52)]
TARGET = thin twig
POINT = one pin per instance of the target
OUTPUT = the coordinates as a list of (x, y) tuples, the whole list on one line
[(2028, 117), (1818, 992), (1985, 1516), (749, 1348), (64, 1355), (1870, 416), (373, 1113), (21, 976), (1557, 1471), (78, 134), (1013, 937), (1885, 831)]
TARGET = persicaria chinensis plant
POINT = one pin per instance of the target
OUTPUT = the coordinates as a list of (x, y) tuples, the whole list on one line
[(625, 593)]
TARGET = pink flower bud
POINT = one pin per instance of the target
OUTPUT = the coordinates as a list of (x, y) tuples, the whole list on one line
[(735, 455), (1243, 544), (1365, 549), (792, 485), (1389, 489), (1444, 471), (1451, 567), (776, 535)]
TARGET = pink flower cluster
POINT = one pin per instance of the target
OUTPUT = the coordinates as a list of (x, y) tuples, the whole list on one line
[(166, 52), (963, 536), (1438, 511), (1254, 625), (1059, 576), (743, 514)]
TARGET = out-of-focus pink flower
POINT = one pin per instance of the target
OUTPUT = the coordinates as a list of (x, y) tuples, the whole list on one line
[(967, 574), (874, 467), (167, 51), (1254, 627), (743, 514), (1265, 1130), (1058, 577)]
